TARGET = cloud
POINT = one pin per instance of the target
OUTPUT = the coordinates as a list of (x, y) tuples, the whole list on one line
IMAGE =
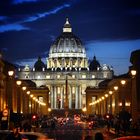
[(23, 1), (2, 18), (30, 62), (42, 15), (12, 27), (16, 26)]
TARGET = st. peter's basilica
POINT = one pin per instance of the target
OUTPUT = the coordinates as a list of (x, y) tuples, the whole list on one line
[(67, 72)]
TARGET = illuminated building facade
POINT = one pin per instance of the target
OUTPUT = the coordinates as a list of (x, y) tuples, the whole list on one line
[(67, 72)]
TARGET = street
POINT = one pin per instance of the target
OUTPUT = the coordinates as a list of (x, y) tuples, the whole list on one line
[(71, 131)]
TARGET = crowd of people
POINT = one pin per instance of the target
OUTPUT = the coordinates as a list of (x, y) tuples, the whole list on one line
[(121, 123)]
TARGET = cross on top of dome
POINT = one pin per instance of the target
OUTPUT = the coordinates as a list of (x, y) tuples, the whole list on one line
[(67, 21), (67, 27)]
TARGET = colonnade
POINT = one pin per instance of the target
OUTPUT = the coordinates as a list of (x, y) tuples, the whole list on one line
[(58, 96)]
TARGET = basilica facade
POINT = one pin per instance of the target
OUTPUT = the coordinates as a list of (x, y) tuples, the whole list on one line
[(67, 72)]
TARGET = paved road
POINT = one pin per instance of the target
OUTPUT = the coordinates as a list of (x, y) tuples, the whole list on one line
[(75, 132)]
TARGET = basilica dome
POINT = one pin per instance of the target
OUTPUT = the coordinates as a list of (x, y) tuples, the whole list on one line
[(94, 65), (67, 44), (67, 50), (39, 65)]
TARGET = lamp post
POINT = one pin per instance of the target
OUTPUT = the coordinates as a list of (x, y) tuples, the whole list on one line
[(123, 82), (10, 89), (23, 103), (133, 96), (116, 99), (18, 95), (10, 94)]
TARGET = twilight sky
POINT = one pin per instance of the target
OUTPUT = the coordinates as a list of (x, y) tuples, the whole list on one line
[(109, 29)]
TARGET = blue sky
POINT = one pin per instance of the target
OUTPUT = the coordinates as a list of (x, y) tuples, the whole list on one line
[(108, 29), (115, 53)]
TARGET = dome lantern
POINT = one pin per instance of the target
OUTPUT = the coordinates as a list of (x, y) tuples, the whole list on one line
[(67, 27)]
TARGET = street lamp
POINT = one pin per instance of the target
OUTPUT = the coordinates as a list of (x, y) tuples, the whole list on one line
[(106, 95), (10, 73), (24, 88), (18, 82), (115, 87), (110, 92), (123, 82), (49, 111), (28, 92), (133, 73)]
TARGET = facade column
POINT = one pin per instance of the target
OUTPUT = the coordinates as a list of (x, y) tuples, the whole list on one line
[(98, 108), (66, 93), (104, 111), (110, 104), (55, 97), (134, 109), (80, 100), (61, 96), (106, 105), (116, 102), (123, 98), (103, 105), (70, 98), (10, 93), (26, 104), (102, 108), (18, 99), (76, 98), (51, 92), (73, 97), (22, 102), (113, 103), (2, 77)]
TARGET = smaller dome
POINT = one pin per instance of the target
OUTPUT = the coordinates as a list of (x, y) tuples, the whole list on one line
[(94, 64), (39, 65)]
